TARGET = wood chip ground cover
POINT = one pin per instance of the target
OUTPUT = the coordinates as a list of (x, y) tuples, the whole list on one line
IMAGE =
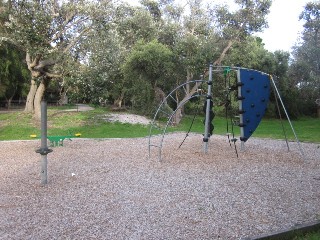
[(111, 189)]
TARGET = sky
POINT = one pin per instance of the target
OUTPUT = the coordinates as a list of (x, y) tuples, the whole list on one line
[(284, 25)]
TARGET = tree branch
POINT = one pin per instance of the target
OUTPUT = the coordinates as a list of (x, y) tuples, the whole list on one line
[(45, 63), (64, 28), (74, 41), (35, 61), (28, 60), (52, 75), (223, 54)]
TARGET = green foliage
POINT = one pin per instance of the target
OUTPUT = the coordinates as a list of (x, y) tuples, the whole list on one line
[(248, 19), (147, 67), (304, 71), (13, 73), (135, 24), (124, 54), (153, 61)]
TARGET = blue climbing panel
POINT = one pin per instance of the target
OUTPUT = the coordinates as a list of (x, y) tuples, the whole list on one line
[(255, 93)]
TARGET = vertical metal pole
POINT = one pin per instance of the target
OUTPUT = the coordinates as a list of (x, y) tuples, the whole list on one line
[(285, 111), (44, 163), (240, 110), (207, 120), (44, 148)]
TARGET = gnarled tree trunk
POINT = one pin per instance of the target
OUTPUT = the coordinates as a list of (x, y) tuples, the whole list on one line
[(38, 97), (189, 92), (30, 98), (118, 102)]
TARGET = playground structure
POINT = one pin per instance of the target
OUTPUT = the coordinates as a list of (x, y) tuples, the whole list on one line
[(56, 141), (252, 89)]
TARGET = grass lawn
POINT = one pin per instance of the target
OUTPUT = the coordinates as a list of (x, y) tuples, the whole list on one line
[(307, 129), (309, 236), (20, 125)]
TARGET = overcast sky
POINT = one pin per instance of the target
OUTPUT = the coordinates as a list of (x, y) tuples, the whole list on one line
[(284, 25)]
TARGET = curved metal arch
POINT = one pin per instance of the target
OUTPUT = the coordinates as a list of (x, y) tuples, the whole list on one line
[(170, 116)]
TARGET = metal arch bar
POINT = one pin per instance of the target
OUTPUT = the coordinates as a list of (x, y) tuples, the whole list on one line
[(170, 118), (153, 123)]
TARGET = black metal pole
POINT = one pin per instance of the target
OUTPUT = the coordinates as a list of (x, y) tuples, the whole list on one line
[(208, 109)]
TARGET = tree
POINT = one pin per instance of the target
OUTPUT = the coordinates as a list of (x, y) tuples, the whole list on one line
[(49, 31), (208, 36), (134, 24), (148, 70), (195, 37), (13, 73), (305, 68), (101, 78)]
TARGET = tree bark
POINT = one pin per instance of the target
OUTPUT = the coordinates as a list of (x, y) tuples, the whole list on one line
[(118, 101), (30, 98), (9, 101), (37, 99), (188, 92), (223, 54), (63, 98)]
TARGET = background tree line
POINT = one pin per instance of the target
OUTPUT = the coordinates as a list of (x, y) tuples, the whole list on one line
[(111, 52)]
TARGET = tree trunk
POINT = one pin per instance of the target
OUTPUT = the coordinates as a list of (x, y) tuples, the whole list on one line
[(63, 98), (9, 100), (30, 98), (177, 116), (37, 99), (118, 101), (180, 112)]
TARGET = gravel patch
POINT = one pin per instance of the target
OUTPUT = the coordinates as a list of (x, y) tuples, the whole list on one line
[(80, 108), (111, 189), (126, 118)]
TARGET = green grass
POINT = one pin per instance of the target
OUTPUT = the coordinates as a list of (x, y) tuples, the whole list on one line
[(19, 126), (309, 236), (305, 234), (307, 129)]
